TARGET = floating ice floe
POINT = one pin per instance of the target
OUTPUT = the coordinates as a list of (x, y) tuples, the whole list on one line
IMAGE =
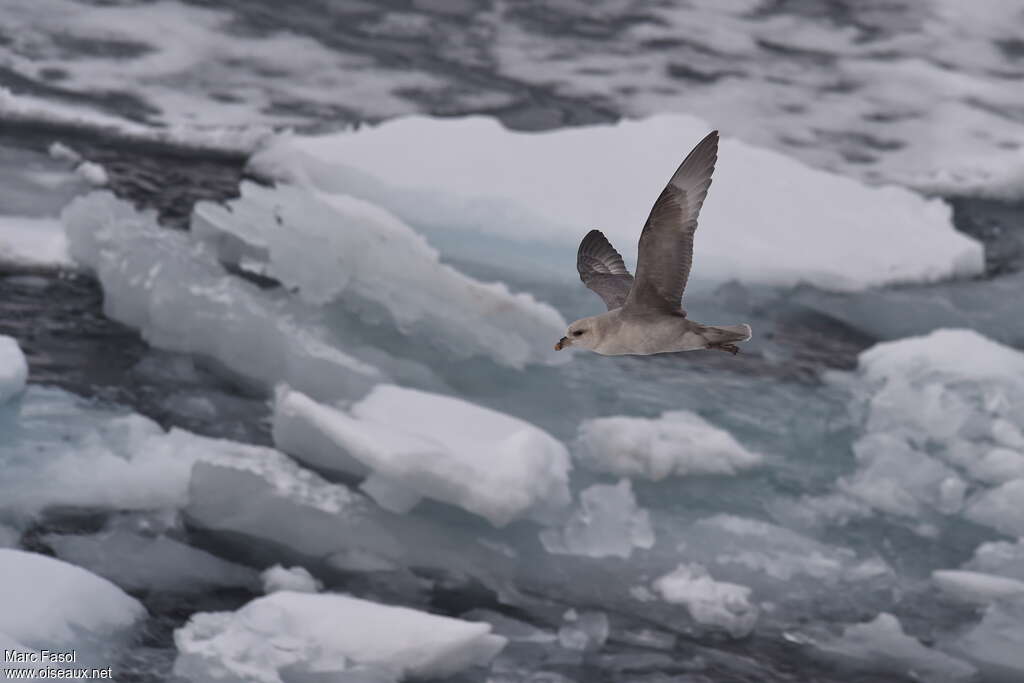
[(474, 177), (50, 604), (709, 602), (999, 557), (942, 434), (882, 644), (13, 368), (295, 579), (140, 563), (583, 631), (92, 173), (418, 444), (289, 636), (173, 288), (33, 242), (677, 443), (607, 523)]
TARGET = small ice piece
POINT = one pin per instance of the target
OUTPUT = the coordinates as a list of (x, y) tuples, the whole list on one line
[(13, 368), (882, 645), (709, 602), (37, 242), (288, 636), (296, 579), (51, 604), (607, 523), (584, 631), (93, 173), (58, 150), (491, 464), (976, 587), (677, 443), (138, 563), (997, 641)]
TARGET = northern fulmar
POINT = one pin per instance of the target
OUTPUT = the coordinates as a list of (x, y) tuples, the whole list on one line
[(645, 314)]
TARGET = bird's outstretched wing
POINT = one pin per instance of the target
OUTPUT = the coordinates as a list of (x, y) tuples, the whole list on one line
[(665, 253), (602, 270)]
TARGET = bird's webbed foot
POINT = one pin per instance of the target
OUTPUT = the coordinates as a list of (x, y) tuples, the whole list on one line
[(730, 348)]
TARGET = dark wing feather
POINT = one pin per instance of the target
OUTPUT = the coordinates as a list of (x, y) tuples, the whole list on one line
[(602, 270), (666, 243)]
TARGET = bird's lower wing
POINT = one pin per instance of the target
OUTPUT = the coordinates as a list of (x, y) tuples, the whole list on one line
[(602, 270)]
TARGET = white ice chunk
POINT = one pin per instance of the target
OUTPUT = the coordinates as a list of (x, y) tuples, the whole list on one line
[(882, 645), (182, 299), (551, 187), (289, 636), (334, 247), (92, 172), (138, 563), (976, 587), (58, 150), (940, 431), (296, 579), (33, 242), (677, 443), (51, 604), (709, 602), (488, 463), (608, 523), (13, 368)]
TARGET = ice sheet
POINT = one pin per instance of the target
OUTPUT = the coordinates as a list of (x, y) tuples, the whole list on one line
[(286, 634), (440, 447), (472, 176)]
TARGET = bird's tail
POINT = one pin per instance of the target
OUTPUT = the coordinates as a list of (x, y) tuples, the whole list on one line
[(728, 333)]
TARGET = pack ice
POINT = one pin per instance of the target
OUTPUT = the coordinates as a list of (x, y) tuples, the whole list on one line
[(289, 636), (768, 219), (418, 444)]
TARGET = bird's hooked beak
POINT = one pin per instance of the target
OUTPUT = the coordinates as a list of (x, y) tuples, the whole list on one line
[(562, 343)]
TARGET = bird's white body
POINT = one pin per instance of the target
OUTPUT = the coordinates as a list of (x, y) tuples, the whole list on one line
[(616, 333)]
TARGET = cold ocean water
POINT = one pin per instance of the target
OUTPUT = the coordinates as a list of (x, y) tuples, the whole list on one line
[(285, 280)]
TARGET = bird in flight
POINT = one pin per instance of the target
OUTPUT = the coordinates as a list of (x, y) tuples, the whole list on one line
[(645, 313)]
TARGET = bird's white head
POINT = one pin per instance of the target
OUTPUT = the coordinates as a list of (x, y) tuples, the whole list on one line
[(583, 333)]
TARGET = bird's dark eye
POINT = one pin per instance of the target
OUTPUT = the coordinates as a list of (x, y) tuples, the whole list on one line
[(577, 333)]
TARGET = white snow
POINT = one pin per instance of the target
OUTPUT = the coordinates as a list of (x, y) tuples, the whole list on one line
[(677, 443), (976, 587), (709, 602), (488, 463), (552, 187), (295, 579), (31, 241), (607, 523), (286, 635), (13, 368), (882, 644), (52, 604), (138, 563)]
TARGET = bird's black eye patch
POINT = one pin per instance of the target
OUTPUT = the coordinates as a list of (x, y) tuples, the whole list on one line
[(577, 333)]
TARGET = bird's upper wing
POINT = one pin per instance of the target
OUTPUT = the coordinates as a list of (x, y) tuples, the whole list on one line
[(666, 243), (602, 270)]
